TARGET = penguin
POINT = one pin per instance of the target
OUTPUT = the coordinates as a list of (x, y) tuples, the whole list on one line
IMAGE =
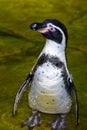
[(51, 85)]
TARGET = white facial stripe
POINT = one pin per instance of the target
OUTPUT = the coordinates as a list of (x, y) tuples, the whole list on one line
[(59, 30), (49, 25), (56, 28)]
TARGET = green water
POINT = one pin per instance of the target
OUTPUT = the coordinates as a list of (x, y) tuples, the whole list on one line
[(20, 47)]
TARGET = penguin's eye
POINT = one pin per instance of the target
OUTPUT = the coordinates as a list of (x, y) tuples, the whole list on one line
[(51, 28)]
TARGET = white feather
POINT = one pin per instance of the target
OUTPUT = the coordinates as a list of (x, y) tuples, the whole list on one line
[(48, 93)]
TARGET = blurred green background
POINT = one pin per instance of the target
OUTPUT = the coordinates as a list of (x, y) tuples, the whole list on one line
[(20, 47)]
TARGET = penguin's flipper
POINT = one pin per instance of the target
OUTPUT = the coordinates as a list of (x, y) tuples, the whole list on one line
[(73, 90), (20, 92)]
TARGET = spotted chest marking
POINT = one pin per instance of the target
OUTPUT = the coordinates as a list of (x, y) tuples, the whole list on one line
[(48, 93), (52, 59), (57, 65), (47, 58), (47, 75)]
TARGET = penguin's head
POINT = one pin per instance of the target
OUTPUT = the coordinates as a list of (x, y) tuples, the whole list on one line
[(52, 29)]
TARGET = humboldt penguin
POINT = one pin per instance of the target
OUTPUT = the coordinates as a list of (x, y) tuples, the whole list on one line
[(51, 84)]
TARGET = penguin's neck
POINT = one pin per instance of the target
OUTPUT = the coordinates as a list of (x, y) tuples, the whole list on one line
[(52, 48)]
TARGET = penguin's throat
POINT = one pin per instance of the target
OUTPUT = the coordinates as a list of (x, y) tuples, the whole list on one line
[(54, 49)]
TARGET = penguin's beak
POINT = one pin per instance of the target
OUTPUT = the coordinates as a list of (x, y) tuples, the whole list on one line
[(40, 27)]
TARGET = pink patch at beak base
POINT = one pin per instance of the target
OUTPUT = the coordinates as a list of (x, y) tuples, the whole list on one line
[(43, 30)]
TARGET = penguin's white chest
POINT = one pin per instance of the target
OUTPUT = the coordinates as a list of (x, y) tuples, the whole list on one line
[(48, 93)]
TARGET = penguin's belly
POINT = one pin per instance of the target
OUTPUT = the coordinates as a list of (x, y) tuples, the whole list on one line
[(48, 93)]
